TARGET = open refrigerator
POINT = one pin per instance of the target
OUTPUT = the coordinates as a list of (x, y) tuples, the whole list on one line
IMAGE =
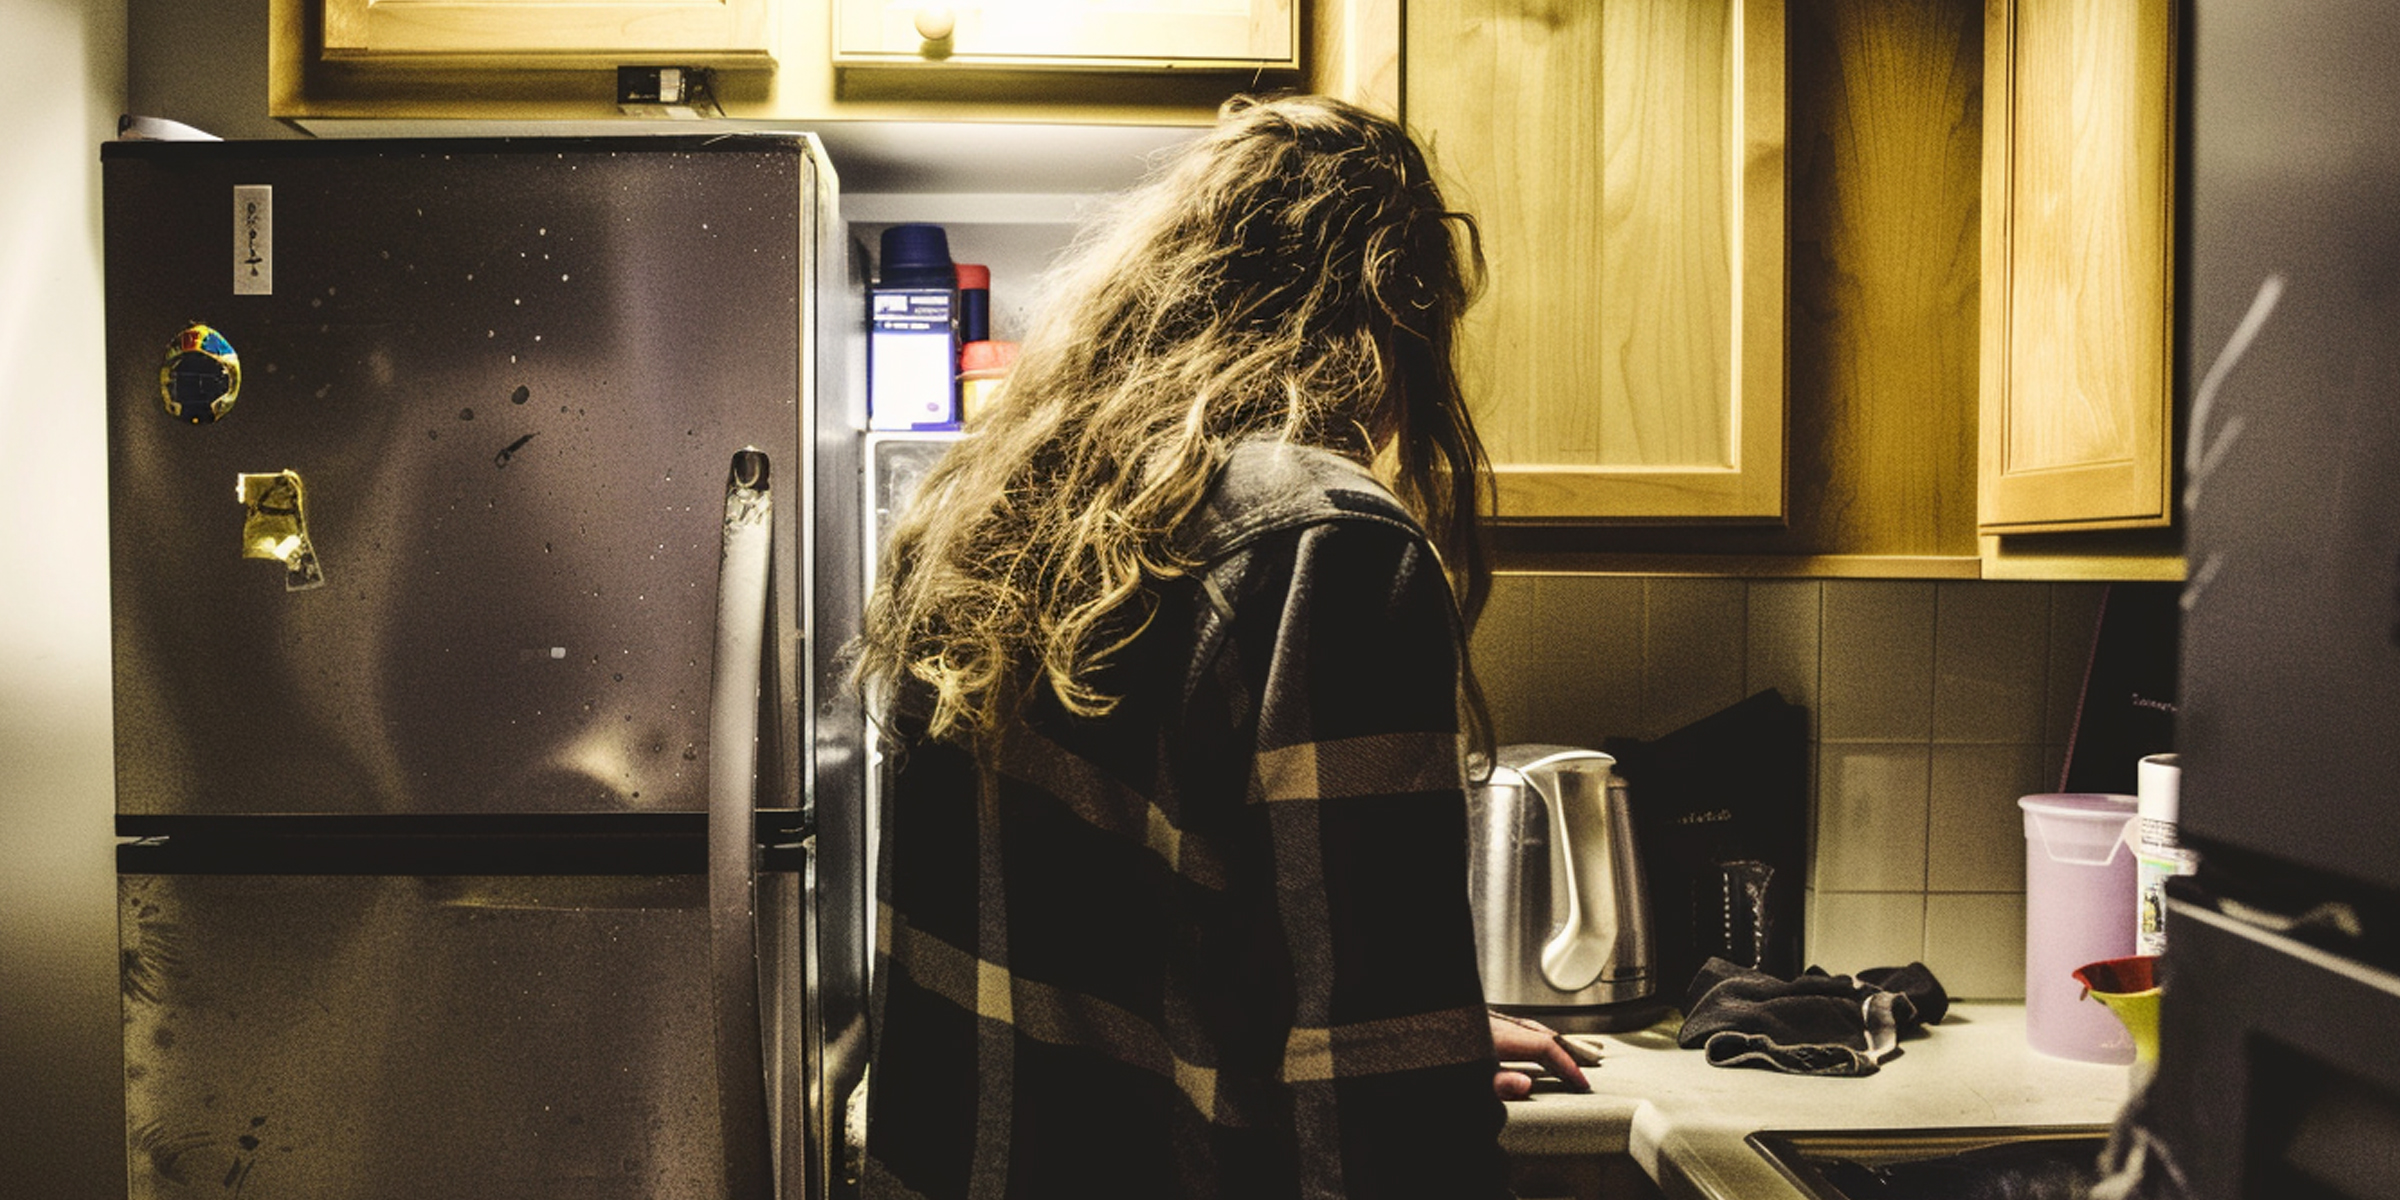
[(2278, 1071)]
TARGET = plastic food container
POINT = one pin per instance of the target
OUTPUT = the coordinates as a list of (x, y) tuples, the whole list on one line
[(2079, 899)]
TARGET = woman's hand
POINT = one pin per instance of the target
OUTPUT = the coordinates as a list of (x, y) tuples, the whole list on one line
[(1516, 1039)]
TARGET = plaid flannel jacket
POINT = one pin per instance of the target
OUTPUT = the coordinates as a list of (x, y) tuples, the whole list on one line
[(1215, 943)]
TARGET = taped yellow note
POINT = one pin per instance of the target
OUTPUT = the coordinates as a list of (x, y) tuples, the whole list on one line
[(275, 525)]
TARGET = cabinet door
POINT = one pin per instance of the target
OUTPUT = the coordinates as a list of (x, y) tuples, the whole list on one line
[(522, 33), (2078, 287), (1247, 34), (1625, 161)]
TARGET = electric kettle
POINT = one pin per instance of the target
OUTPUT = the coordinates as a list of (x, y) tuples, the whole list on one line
[(1562, 921)]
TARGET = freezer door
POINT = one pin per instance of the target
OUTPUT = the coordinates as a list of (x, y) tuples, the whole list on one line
[(452, 545), (2278, 1072), (400, 1037), (2291, 629)]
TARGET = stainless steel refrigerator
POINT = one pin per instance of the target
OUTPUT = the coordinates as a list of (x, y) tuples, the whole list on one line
[(2279, 1062), (489, 803)]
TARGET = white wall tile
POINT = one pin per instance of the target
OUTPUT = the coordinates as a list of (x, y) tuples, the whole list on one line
[(1560, 658), (1975, 944), (2074, 616), (1785, 617), (1991, 659), (1871, 811), (1503, 652), (1877, 677), (1932, 708), (1849, 932), (1975, 838), (1693, 656)]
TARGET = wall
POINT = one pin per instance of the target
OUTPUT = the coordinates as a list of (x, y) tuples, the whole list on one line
[(59, 1053), (202, 62), (1932, 707), (60, 1036)]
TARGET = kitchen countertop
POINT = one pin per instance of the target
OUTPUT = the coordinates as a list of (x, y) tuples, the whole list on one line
[(1684, 1121)]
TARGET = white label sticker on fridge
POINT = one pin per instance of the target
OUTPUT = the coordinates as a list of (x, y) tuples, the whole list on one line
[(253, 240)]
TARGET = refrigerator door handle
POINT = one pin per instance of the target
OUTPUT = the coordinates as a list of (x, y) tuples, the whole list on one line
[(743, 570)]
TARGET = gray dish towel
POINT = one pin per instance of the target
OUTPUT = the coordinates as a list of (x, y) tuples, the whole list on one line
[(1816, 1024)]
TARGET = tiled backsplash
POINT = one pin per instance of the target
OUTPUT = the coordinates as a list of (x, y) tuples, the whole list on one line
[(1932, 707)]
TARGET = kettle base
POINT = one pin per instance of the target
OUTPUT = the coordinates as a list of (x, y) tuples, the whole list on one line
[(1619, 1017)]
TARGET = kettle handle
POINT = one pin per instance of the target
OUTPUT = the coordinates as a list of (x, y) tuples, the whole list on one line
[(1575, 956)]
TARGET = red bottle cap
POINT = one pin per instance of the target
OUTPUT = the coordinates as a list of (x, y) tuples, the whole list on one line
[(986, 356)]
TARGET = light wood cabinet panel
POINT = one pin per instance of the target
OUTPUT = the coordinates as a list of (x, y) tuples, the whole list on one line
[(1625, 162), (520, 61), (1885, 134), (2078, 284), (1122, 34), (1354, 52), (563, 33)]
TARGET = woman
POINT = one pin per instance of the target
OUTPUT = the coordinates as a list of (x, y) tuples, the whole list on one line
[(1174, 875)]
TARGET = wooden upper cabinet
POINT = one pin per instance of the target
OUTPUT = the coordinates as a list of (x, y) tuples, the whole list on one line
[(1118, 34), (1625, 161), (2077, 414), (563, 33)]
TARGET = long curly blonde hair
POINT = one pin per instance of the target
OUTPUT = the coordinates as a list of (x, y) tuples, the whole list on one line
[(1292, 274)]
